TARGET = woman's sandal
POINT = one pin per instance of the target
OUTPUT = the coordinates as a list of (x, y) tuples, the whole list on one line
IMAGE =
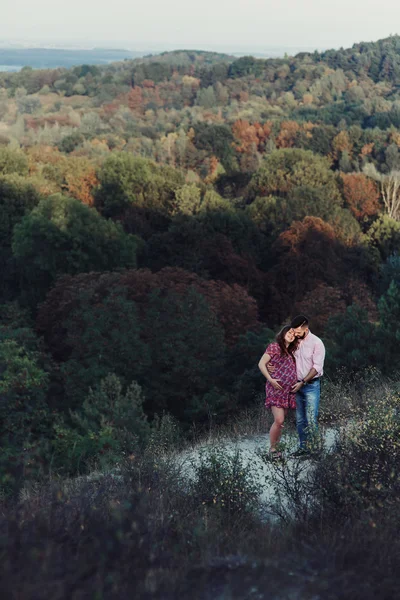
[(275, 455)]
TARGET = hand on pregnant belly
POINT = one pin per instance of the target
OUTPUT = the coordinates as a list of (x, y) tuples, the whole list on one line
[(276, 385)]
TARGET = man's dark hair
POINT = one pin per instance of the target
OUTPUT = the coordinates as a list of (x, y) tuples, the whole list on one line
[(299, 321)]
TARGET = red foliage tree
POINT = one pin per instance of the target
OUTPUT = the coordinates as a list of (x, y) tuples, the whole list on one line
[(325, 301), (361, 194), (235, 309), (308, 252), (319, 304), (135, 99), (309, 255)]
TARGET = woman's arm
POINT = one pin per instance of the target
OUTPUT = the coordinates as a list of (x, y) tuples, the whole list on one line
[(262, 365)]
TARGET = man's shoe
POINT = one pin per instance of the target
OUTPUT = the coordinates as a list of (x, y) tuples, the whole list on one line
[(300, 453)]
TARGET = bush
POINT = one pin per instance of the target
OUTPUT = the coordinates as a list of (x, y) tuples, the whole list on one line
[(363, 475), (346, 395), (24, 412), (165, 435), (223, 481), (110, 425)]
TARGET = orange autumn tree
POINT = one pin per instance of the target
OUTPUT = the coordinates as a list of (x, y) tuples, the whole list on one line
[(250, 136), (52, 172), (361, 194), (80, 180), (289, 131), (213, 169), (264, 131), (246, 135), (287, 135), (341, 143), (367, 149)]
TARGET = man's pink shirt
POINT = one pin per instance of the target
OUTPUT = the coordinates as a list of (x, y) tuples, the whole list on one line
[(309, 354)]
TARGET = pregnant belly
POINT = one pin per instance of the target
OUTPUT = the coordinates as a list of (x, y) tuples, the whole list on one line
[(286, 375)]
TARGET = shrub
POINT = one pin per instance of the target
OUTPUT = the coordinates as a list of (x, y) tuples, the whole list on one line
[(24, 413), (110, 425), (346, 395), (223, 481), (363, 475), (165, 435)]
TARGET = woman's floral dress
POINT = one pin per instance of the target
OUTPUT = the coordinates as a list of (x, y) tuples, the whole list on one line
[(285, 371)]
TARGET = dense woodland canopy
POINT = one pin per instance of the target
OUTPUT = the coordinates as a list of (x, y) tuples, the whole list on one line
[(161, 217)]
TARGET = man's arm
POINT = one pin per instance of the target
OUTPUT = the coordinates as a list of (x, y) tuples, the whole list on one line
[(310, 375), (318, 357), (316, 369)]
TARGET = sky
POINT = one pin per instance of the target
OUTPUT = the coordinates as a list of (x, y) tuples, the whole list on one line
[(202, 24)]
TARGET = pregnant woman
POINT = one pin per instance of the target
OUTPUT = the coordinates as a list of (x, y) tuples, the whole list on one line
[(278, 395)]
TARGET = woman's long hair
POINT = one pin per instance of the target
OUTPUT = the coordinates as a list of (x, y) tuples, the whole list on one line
[(280, 340)]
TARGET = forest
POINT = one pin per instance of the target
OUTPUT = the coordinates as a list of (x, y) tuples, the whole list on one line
[(161, 218)]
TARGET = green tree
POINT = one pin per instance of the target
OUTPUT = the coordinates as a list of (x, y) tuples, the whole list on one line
[(389, 328), (206, 97), (13, 161), (187, 199), (305, 201), (127, 180), (248, 382), (217, 140), (110, 424), (286, 169), (270, 214), (389, 271), (246, 65), (352, 341), (103, 337), (62, 235), (24, 413), (213, 202), (187, 355), (70, 142), (384, 235), (17, 198)]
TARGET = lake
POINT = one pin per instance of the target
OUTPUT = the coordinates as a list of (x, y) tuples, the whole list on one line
[(10, 68)]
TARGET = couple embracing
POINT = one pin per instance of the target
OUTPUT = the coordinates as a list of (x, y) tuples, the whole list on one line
[(293, 366)]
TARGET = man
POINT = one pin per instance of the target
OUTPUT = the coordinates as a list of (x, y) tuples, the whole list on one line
[(310, 356)]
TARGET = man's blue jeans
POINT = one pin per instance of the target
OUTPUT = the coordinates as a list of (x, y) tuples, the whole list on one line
[(307, 408)]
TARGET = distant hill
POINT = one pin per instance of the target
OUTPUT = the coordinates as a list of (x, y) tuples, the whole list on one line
[(379, 60), (50, 58), (183, 58)]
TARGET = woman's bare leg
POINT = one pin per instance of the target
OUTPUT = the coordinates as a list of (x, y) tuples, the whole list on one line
[(276, 430)]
